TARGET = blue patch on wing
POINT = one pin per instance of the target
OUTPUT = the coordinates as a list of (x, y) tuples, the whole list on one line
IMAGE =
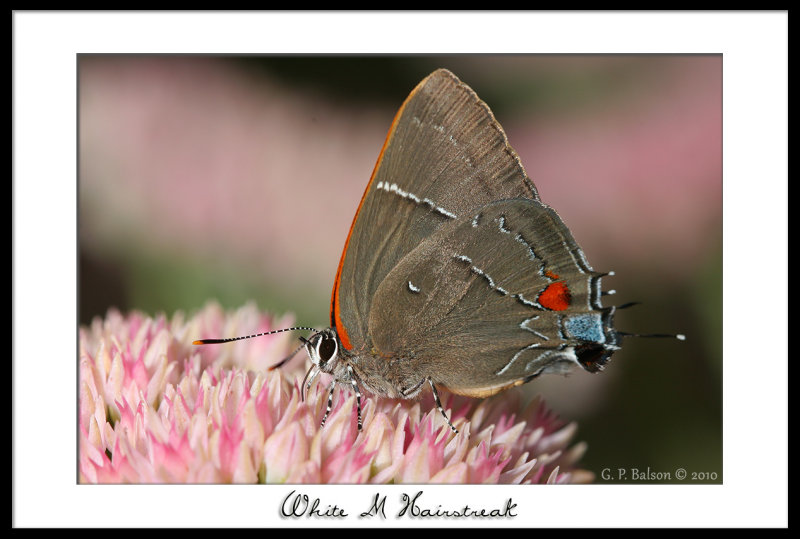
[(587, 327)]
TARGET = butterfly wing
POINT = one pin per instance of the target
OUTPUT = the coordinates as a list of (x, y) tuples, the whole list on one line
[(488, 301), (445, 156)]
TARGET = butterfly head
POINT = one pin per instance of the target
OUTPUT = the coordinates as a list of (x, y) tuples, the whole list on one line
[(323, 350)]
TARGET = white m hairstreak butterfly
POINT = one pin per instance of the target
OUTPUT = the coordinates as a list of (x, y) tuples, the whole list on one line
[(454, 272)]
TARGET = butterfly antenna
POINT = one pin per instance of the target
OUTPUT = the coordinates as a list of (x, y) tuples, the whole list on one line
[(290, 356), (278, 364), (230, 339)]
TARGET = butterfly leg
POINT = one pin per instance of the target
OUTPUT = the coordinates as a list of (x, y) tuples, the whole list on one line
[(358, 393), (439, 405), (310, 375), (406, 393), (330, 403)]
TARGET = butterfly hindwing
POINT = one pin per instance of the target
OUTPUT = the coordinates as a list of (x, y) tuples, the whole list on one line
[(484, 299)]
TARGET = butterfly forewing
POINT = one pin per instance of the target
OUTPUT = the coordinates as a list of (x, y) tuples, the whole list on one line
[(445, 157)]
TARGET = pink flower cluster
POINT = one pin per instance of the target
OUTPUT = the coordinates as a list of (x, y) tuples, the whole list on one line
[(153, 408)]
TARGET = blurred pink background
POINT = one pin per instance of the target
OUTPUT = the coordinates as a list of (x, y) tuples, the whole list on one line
[(235, 179)]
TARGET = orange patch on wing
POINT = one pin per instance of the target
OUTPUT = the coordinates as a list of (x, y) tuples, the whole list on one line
[(556, 297)]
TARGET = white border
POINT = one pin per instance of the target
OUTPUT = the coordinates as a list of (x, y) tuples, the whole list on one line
[(755, 73)]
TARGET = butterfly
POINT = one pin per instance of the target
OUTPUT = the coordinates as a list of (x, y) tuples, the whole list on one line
[(455, 274)]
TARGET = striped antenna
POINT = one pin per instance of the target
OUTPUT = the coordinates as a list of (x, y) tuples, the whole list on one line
[(290, 356), (220, 341)]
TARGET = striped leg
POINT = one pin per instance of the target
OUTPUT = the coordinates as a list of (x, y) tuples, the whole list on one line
[(358, 394), (310, 375), (330, 404), (439, 405)]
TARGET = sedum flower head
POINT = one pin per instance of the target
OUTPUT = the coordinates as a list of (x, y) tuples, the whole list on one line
[(153, 408)]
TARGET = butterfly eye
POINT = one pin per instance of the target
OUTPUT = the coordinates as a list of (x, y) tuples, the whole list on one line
[(326, 348)]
